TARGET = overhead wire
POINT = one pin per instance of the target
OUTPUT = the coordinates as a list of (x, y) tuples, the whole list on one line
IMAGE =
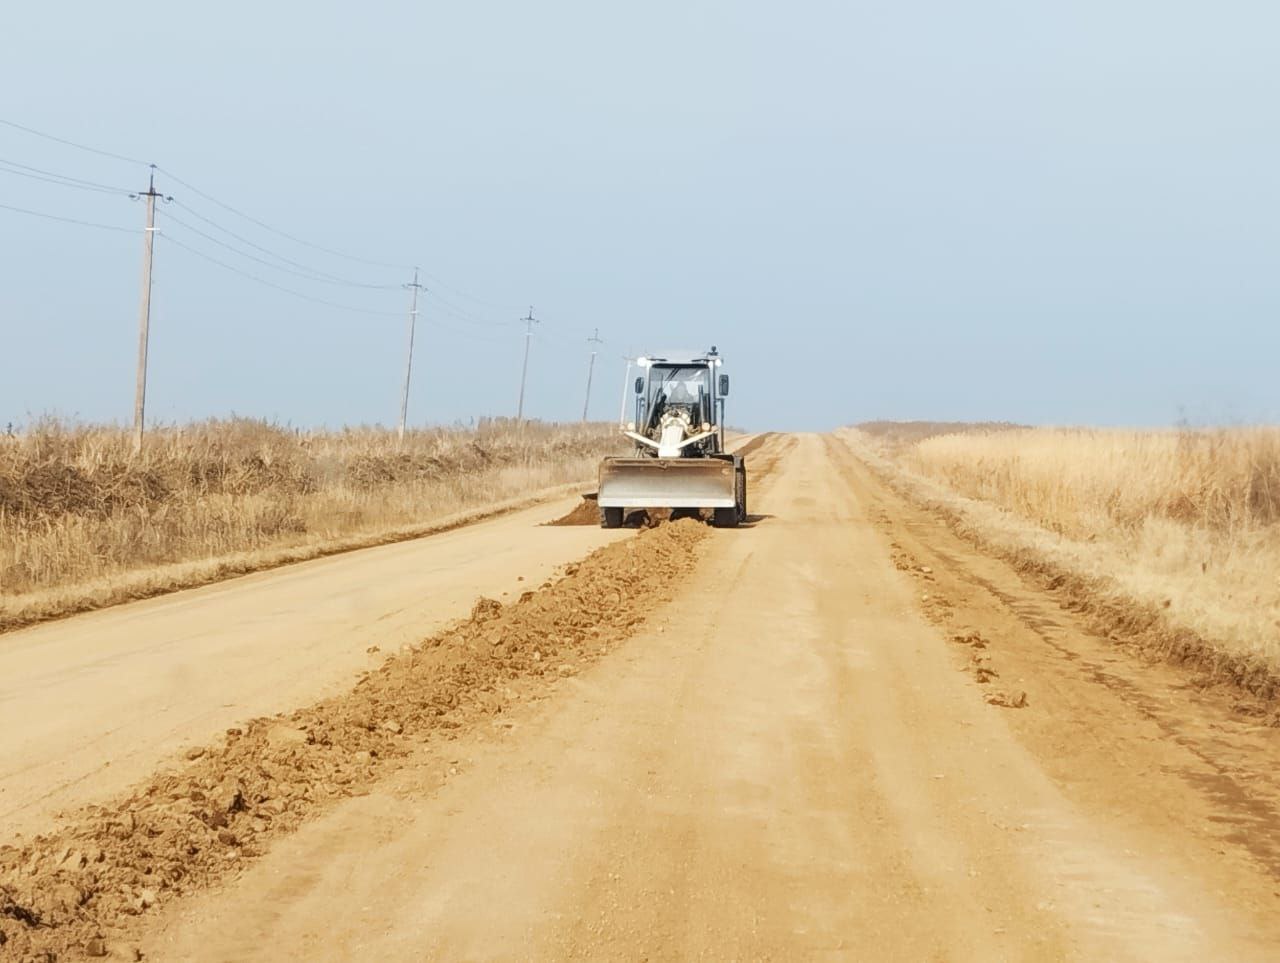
[(252, 257), (470, 297), (274, 230), (304, 271), (72, 143), (71, 220), (39, 174), (336, 279), (470, 334), (278, 287), (464, 315)]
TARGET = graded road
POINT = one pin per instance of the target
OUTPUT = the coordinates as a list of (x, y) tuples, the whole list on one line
[(795, 757), (92, 704)]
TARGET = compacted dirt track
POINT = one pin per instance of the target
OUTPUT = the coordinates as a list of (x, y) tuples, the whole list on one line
[(841, 734), (794, 760), (90, 705)]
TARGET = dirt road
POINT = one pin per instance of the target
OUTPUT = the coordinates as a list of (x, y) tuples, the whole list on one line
[(793, 760), (811, 751), (91, 705)]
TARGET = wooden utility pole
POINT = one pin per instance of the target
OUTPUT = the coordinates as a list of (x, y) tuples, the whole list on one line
[(144, 313), (415, 287), (529, 321), (593, 340)]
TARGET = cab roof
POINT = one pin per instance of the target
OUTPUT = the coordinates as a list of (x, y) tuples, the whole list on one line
[(709, 358)]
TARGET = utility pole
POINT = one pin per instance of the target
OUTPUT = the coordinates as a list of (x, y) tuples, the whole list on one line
[(593, 340), (144, 312), (626, 386), (415, 287), (529, 321)]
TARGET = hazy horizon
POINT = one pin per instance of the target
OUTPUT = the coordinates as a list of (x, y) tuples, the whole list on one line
[(918, 211)]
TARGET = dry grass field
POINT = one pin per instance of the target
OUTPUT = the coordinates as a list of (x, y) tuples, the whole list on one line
[(83, 522), (1185, 522)]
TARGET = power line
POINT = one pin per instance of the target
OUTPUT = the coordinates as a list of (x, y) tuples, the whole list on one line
[(300, 274), (559, 339), (304, 271), (469, 327), (70, 220), (462, 314), (267, 227), (72, 143), (279, 287), (465, 324), (36, 173), (311, 273), (191, 187), (471, 334), (333, 278), (470, 297)]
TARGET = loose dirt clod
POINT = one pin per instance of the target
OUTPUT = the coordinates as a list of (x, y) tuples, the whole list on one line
[(1009, 700), (61, 892)]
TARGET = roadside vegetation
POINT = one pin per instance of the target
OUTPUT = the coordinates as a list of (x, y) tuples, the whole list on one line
[(1178, 530), (85, 522)]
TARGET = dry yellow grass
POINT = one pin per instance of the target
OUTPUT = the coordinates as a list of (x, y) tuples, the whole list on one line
[(1185, 522), (84, 522)]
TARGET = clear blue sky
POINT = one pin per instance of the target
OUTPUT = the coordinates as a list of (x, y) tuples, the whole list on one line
[(1043, 212)]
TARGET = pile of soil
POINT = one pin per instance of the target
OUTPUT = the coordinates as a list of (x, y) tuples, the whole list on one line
[(74, 892), (586, 512)]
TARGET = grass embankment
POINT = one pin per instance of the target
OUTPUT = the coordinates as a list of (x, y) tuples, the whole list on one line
[(1171, 538), (84, 522)]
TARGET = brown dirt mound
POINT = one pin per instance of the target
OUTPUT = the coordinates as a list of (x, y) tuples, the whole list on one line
[(586, 512), (74, 892)]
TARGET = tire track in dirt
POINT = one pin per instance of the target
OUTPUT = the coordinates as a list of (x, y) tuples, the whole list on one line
[(1119, 618), (1136, 735), (77, 891)]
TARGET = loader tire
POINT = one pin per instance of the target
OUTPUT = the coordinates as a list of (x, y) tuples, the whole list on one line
[(731, 517), (725, 517), (611, 518)]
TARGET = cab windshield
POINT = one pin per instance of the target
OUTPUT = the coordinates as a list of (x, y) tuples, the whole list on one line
[(679, 385)]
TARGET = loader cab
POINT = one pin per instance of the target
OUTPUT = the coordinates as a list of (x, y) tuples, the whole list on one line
[(689, 384)]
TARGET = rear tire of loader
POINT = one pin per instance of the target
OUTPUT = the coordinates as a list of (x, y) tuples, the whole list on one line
[(731, 517), (611, 518)]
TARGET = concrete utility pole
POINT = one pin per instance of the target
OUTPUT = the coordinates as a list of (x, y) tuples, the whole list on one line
[(415, 287), (530, 321), (593, 340), (626, 387), (144, 312)]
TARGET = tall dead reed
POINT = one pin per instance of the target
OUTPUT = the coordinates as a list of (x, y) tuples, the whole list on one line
[(1185, 521), (78, 506)]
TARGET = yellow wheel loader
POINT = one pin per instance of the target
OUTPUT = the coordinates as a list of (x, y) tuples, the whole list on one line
[(680, 462)]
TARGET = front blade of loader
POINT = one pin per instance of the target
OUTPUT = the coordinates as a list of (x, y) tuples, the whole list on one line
[(666, 483)]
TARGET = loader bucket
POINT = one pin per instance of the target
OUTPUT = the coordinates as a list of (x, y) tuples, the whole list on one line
[(666, 483)]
